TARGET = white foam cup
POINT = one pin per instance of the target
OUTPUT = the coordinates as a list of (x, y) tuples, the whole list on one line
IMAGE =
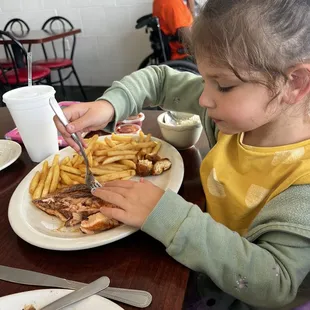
[(33, 117)]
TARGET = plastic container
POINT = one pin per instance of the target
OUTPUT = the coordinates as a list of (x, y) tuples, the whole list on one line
[(136, 119), (127, 129), (33, 117)]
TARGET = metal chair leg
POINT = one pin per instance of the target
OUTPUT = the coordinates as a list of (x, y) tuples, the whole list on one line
[(62, 84), (80, 85), (49, 80)]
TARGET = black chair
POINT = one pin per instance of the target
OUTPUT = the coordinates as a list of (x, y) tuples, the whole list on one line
[(60, 59), (24, 28), (21, 31), (160, 45), (18, 74)]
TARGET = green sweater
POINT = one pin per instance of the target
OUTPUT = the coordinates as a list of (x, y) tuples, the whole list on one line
[(265, 269)]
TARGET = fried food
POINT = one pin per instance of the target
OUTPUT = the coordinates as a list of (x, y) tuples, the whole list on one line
[(97, 222), (119, 157), (160, 166), (75, 205), (29, 307), (144, 167)]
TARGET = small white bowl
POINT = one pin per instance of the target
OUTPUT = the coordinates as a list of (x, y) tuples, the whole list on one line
[(180, 136)]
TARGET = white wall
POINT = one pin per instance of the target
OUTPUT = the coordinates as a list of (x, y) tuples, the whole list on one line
[(108, 48)]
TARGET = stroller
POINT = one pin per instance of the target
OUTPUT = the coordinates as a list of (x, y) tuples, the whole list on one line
[(160, 45)]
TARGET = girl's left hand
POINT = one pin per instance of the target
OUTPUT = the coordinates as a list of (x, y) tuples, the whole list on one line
[(135, 199)]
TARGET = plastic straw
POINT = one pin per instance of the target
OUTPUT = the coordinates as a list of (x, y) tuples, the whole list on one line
[(29, 64)]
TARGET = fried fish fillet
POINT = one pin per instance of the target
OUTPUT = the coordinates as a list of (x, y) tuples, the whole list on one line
[(75, 205), (30, 307)]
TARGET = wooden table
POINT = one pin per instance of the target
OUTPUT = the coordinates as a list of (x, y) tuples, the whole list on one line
[(137, 262), (34, 37), (40, 36)]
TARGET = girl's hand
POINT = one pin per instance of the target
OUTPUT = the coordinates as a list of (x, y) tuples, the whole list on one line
[(135, 199), (88, 116)]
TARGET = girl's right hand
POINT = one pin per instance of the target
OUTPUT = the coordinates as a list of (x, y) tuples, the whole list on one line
[(82, 117)]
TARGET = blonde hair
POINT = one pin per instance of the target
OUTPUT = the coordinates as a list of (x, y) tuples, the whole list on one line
[(255, 36)]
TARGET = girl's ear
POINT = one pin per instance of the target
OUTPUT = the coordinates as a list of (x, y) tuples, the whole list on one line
[(299, 84)]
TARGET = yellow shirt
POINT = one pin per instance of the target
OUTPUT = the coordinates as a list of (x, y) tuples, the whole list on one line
[(239, 179)]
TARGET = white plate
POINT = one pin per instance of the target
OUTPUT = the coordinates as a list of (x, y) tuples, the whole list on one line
[(40, 298), (42, 230), (9, 152)]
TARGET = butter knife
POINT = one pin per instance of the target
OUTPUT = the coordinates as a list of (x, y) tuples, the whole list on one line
[(136, 298), (80, 294)]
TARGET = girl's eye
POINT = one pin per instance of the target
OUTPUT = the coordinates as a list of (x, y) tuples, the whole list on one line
[(225, 89)]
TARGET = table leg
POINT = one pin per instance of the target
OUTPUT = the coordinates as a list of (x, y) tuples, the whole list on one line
[(18, 55)]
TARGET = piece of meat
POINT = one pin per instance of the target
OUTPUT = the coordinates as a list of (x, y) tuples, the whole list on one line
[(144, 167), (73, 205), (160, 166), (97, 222), (153, 157), (29, 307)]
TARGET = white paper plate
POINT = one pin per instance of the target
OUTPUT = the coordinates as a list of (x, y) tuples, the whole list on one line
[(42, 230), (9, 152), (40, 298)]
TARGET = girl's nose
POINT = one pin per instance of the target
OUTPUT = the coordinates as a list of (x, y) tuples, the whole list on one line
[(206, 101)]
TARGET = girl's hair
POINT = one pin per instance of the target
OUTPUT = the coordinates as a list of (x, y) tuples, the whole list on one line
[(254, 36)]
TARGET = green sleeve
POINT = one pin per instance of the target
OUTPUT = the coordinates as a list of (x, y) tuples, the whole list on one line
[(265, 272), (155, 86)]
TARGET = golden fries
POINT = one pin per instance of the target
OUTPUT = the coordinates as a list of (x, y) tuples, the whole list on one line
[(121, 138), (156, 148), (70, 169), (128, 163), (116, 153), (111, 158), (117, 158), (38, 191), (116, 175), (56, 160), (65, 178), (34, 182), (55, 179), (48, 181)]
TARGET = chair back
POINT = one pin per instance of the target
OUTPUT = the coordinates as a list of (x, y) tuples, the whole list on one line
[(59, 23), (19, 32), (10, 25), (16, 53)]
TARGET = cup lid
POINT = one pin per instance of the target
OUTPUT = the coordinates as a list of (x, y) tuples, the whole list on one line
[(28, 97), (28, 93)]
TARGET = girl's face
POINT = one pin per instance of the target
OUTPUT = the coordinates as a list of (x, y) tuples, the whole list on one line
[(236, 106)]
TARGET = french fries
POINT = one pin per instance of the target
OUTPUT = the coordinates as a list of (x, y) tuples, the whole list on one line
[(112, 158), (34, 182), (55, 178)]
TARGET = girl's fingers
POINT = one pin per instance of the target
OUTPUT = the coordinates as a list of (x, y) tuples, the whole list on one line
[(121, 183), (111, 197), (115, 213), (118, 190), (65, 134)]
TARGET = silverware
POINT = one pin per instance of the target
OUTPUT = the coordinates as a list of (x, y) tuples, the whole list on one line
[(178, 116), (90, 180), (136, 298), (84, 292)]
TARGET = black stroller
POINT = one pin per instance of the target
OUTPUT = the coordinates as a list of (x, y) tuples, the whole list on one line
[(160, 46)]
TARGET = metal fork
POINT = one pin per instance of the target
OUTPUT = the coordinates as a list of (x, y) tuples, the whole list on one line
[(90, 180)]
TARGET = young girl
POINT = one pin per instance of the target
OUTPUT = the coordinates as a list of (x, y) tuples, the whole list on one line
[(253, 100)]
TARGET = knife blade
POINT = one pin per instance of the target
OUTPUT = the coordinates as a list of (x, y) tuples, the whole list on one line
[(136, 298), (84, 292)]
